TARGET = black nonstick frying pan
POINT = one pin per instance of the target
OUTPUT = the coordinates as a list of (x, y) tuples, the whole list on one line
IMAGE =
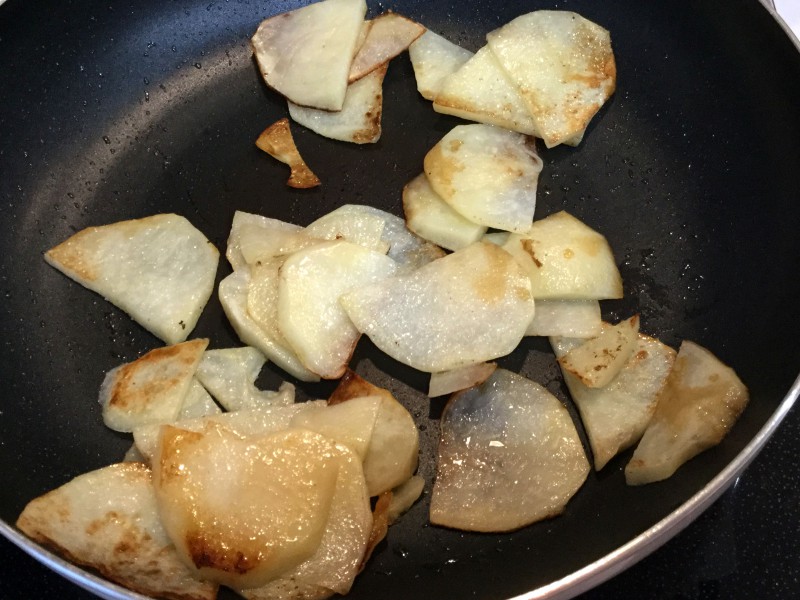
[(120, 109)]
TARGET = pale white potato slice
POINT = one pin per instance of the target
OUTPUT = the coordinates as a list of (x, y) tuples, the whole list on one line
[(615, 416), (242, 511), (566, 260), (481, 91), (305, 54), (598, 360), (230, 375), (468, 307), (434, 58), (404, 496), (699, 404), (233, 294), (134, 455), (108, 520), (358, 121), (435, 220), (562, 65), (160, 270), (508, 455), (198, 402), (152, 388), (389, 34), (277, 141), (254, 238), (498, 238), (309, 315), (569, 318), (488, 174), (447, 382), (353, 224)]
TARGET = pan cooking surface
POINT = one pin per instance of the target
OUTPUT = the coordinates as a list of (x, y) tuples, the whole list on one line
[(125, 109)]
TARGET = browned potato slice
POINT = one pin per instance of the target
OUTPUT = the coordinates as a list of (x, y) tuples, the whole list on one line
[(699, 404), (108, 520), (277, 141), (389, 35)]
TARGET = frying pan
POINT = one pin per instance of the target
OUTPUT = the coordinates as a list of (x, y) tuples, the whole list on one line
[(122, 109)]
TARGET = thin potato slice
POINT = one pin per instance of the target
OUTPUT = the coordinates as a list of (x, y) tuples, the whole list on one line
[(459, 379), (108, 520), (487, 174), (358, 121), (349, 423), (434, 58), (353, 224), (615, 416), (699, 404), (305, 54), (568, 318), (509, 455), (151, 389), (255, 238), (422, 319), (277, 141), (404, 496), (198, 403), (389, 35), (563, 66), (160, 270)]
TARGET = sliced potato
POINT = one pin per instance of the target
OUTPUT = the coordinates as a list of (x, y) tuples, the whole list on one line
[(389, 34), (615, 416), (566, 260), (434, 58), (498, 238), (160, 270), (358, 121), (459, 379), (277, 141), (254, 238), (569, 318), (309, 315), (353, 224), (305, 54), (404, 496), (108, 520), (420, 319), (487, 174), (563, 66), (509, 455), (433, 219), (699, 404), (198, 402), (152, 388), (598, 360)]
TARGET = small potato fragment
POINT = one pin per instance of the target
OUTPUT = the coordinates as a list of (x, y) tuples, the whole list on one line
[(471, 306), (433, 219), (487, 174), (277, 141), (447, 382), (404, 496), (434, 58), (509, 455), (598, 360), (255, 238), (701, 401), (568, 318), (389, 34)]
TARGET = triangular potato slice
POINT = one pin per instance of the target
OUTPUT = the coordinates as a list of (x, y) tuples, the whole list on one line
[(152, 388), (358, 121), (562, 65), (568, 318), (389, 35), (255, 238), (277, 141), (198, 403), (434, 58), (108, 520), (305, 54), (160, 270)]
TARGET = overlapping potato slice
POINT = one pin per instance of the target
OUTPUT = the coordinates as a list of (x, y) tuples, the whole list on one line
[(433, 219), (447, 382), (404, 496), (389, 34), (488, 174), (309, 315), (434, 58), (349, 423), (446, 314), (569, 318), (358, 121), (159, 269), (615, 416), (108, 520), (198, 402), (701, 401), (352, 223), (152, 388), (277, 141), (509, 455), (230, 375), (566, 260), (562, 65), (305, 54), (254, 238)]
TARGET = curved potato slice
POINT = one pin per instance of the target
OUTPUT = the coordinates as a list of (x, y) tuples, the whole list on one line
[(487, 174), (701, 401), (447, 382), (509, 455), (305, 54), (108, 520), (448, 313), (389, 34), (277, 141), (160, 270), (434, 58), (404, 496)]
